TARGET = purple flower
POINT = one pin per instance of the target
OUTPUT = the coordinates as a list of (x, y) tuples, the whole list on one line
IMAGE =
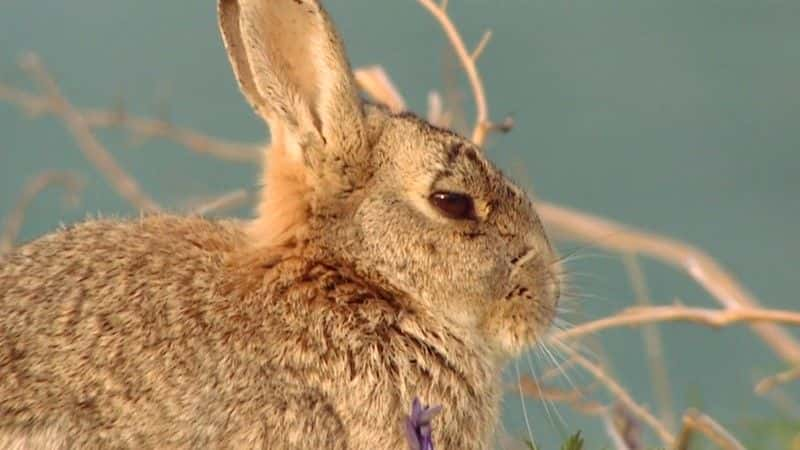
[(418, 425)]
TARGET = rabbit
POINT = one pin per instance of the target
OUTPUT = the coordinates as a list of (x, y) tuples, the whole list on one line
[(388, 259)]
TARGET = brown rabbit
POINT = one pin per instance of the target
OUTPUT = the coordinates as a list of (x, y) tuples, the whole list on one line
[(389, 260)]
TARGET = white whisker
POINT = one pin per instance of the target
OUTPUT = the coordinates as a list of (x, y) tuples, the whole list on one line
[(552, 358), (524, 408), (551, 403)]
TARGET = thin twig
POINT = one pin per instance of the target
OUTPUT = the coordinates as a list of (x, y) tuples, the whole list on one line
[(482, 123), (376, 82), (556, 371), (622, 396), (694, 421), (94, 151), (783, 401), (710, 317), (476, 54), (614, 434), (707, 272), (229, 200), (575, 398), (139, 127), (627, 427), (770, 382), (452, 95), (436, 114), (70, 181), (653, 344)]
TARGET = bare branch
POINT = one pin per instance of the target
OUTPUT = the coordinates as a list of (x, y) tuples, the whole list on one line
[(622, 396), (225, 201), (694, 421), (627, 427), (770, 382), (436, 114), (94, 151), (476, 54), (575, 398), (614, 434), (482, 123), (376, 82), (710, 275), (710, 317), (70, 181), (653, 345), (502, 127), (139, 127)]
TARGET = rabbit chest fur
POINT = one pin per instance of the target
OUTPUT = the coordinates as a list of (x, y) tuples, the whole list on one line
[(151, 338)]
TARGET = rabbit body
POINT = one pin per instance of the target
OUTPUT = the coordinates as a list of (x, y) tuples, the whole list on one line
[(389, 259), (152, 337)]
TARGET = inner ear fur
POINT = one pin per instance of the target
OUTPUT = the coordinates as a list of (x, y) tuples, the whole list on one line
[(291, 66)]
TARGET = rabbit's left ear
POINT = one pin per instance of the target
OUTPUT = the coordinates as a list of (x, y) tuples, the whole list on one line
[(291, 65)]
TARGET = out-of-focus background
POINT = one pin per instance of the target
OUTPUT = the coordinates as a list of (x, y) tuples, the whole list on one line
[(681, 117)]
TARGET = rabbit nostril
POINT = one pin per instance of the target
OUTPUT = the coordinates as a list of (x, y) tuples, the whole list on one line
[(522, 257), (518, 291)]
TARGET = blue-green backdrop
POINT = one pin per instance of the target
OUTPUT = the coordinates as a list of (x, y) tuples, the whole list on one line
[(677, 116)]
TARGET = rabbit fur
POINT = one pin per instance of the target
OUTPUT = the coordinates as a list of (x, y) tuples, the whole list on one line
[(312, 326)]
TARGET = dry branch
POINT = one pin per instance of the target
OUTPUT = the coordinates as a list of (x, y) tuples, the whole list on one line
[(70, 181), (772, 381), (694, 421), (94, 151), (622, 396), (225, 201), (653, 344), (710, 317), (627, 427), (482, 122), (614, 434), (623, 429), (436, 114), (139, 127), (476, 54), (707, 272), (577, 399), (376, 82)]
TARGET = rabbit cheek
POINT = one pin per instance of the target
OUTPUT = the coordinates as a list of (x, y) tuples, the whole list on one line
[(452, 273)]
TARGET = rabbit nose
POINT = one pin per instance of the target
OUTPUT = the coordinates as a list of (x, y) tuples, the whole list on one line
[(534, 261)]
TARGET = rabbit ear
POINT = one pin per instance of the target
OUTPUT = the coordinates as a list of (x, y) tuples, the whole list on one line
[(291, 66)]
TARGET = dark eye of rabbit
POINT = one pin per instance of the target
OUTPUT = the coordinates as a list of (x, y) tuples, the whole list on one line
[(453, 205)]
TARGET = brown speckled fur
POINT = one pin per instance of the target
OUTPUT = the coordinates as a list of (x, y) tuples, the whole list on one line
[(312, 326)]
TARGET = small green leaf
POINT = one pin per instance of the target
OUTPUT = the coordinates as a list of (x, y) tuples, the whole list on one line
[(575, 442)]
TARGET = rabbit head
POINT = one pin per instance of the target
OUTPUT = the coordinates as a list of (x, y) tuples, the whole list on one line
[(411, 207)]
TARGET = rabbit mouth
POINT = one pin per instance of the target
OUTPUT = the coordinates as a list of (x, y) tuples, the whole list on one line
[(519, 292), (534, 293)]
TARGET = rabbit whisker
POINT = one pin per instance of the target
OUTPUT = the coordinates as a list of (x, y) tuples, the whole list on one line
[(524, 407)]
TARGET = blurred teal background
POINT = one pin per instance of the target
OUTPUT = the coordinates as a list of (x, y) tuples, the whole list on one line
[(677, 116)]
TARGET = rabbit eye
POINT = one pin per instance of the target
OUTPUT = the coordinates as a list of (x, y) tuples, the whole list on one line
[(453, 205)]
